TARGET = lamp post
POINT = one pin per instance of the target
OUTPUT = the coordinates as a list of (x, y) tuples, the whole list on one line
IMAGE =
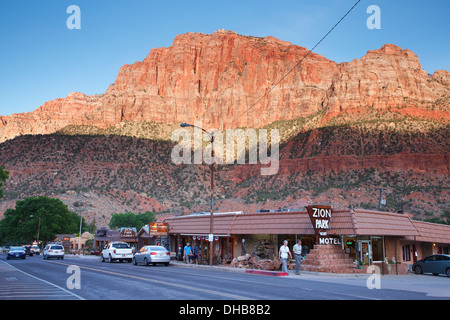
[(380, 198), (79, 239), (211, 221)]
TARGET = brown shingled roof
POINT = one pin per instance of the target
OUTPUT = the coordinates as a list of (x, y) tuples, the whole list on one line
[(431, 232), (344, 222), (378, 223), (200, 225), (273, 223)]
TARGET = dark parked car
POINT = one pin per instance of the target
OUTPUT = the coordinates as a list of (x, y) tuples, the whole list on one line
[(28, 250), (435, 264), (16, 253)]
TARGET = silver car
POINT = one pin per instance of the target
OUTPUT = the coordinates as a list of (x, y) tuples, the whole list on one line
[(152, 255)]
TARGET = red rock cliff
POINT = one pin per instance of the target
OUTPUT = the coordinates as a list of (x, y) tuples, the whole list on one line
[(216, 78)]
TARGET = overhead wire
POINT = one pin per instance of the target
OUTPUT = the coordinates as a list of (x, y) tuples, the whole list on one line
[(298, 63)]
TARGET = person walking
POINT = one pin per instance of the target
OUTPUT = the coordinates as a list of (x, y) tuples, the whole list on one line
[(195, 252), (187, 253), (297, 249), (284, 253)]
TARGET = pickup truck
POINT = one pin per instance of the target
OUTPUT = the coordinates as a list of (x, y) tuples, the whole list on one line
[(117, 251)]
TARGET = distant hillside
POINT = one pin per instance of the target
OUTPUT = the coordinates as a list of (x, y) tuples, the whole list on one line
[(342, 163)]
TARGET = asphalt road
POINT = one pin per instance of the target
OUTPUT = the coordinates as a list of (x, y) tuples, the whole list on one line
[(38, 279)]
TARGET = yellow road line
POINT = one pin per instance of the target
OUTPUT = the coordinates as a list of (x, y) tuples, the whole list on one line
[(226, 295)]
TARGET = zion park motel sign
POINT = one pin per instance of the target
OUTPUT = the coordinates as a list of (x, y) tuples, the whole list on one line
[(321, 219)]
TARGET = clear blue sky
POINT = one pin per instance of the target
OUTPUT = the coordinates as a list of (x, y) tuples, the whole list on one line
[(41, 59)]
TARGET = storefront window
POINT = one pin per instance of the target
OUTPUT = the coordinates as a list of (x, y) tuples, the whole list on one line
[(350, 246), (406, 253)]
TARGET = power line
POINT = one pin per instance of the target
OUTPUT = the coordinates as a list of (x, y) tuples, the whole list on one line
[(301, 60)]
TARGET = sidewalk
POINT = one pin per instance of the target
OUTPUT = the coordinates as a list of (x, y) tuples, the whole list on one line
[(291, 273)]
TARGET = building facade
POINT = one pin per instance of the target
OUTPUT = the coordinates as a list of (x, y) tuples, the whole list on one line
[(391, 240), (104, 235)]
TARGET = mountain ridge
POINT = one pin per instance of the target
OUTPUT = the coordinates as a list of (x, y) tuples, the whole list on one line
[(216, 78)]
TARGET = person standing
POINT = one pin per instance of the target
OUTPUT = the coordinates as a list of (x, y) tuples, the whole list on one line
[(297, 249), (284, 254), (195, 252), (187, 252)]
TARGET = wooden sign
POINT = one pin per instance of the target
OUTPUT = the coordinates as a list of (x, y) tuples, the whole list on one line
[(158, 229), (320, 218), (128, 233)]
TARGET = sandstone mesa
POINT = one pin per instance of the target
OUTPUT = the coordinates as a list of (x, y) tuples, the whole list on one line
[(216, 78)]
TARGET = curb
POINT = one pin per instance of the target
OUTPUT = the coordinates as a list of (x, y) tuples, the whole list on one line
[(267, 273)]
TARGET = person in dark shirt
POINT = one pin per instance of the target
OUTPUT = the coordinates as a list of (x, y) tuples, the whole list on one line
[(195, 251)]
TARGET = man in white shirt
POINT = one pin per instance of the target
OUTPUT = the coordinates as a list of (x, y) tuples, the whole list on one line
[(283, 254), (298, 255)]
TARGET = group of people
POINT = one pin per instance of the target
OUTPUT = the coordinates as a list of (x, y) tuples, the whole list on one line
[(284, 253), (190, 254)]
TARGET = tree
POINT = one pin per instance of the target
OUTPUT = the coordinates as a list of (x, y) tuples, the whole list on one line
[(3, 177), (51, 216), (131, 220)]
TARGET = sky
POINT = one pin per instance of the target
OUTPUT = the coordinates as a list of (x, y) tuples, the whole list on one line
[(41, 59)]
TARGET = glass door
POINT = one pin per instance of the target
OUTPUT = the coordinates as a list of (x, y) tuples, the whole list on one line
[(365, 252), (377, 248)]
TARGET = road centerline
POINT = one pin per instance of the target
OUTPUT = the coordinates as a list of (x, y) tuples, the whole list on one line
[(223, 294)]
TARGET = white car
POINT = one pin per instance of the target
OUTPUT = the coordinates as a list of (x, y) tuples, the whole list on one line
[(35, 249), (53, 251), (117, 251)]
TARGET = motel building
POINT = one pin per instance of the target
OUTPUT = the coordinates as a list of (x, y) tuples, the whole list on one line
[(337, 241)]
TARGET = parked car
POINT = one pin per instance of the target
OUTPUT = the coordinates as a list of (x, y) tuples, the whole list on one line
[(53, 251), (16, 253), (28, 250), (36, 250), (117, 251), (435, 264), (152, 255)]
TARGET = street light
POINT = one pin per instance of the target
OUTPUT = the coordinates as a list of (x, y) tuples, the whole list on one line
[(380, 198), (79, 239), (211, 221)]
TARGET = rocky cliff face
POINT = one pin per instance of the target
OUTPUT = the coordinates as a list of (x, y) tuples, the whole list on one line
[(216, 78), (388, 77), (346, 130)]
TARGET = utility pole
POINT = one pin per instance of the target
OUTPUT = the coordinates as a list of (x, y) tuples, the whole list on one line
[(211, 221)]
